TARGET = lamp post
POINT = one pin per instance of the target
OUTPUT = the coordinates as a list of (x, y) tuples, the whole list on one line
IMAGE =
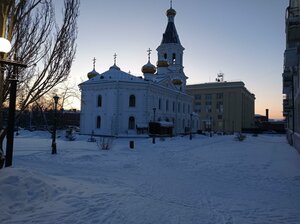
[(153, 139), (5, 47), (191, 137), (56, 98), (211, 126)]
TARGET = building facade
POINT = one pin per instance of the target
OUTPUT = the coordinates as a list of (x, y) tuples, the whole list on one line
[(223, 106), (118, 103), (290, 76)]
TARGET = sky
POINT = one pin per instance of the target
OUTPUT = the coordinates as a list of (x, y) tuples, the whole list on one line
[(243, 39)]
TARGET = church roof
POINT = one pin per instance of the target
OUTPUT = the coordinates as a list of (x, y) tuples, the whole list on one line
[(113, 74), (170, 35)]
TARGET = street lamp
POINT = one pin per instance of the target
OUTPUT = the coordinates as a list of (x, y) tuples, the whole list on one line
[(191, 115), (153, 139), (56, 98), (5, 47)]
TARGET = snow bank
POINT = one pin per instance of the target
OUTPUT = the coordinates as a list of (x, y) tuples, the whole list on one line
[(204, 180)]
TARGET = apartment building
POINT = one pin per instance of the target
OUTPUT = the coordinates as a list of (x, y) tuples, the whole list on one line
[(290, 76), (223, 106)]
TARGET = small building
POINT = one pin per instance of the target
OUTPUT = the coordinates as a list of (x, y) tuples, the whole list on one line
[(223, 106)]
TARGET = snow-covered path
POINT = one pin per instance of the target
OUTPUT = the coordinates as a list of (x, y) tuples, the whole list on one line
[(204, 180)]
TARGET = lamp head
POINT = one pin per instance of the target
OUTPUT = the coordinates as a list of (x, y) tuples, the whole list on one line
[(5, 45), (55, 99)]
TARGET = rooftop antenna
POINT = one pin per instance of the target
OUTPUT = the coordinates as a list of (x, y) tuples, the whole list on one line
[(220, 77), (171, 3)]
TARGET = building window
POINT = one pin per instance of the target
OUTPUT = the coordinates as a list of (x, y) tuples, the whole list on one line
[(220, 117), (132, 101), (219, 107), (167, 105), (173, 106), (183, 108), (208, 106), (178, 107), (198, 97), (219, 96), (189, 108), (99, 101), (165, 56), (198, 107), (98, 124), (131, 123), (208, 96)]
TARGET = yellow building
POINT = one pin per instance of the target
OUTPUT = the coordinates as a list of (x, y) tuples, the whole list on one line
[(223, 106)]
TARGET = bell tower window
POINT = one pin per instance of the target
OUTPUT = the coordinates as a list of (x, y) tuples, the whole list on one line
[(173, 58)]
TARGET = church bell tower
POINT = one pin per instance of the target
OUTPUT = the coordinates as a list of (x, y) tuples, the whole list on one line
[(170, 52)]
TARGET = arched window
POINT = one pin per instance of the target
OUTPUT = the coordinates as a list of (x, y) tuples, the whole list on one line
[(98, 124), (159, 103), (99, 101), (132, 101), (131, 123)]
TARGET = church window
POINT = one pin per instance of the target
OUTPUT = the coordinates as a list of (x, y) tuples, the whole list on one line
[(98, 124), (159, 103), (132, 101), (165, 56), (131, 123), (99, 101), (173, 58), (167, 105)]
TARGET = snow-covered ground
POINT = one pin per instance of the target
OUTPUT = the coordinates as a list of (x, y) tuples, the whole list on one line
[(203, 180)]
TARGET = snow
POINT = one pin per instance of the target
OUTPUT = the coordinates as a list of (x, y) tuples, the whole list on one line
[(204, 180)]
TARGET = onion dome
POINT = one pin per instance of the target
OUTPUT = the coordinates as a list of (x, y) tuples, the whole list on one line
[(149, 68), (171, 12), (114, 67), (92, 74), (115, 63), (162, 63), (177, 82)]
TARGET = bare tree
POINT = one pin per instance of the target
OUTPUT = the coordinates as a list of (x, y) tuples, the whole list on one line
[(37, 40), (68, 92)]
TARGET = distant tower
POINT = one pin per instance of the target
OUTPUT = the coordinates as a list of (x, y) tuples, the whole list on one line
[(170, 52)]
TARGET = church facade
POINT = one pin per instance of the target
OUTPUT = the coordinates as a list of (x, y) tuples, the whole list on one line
[(118, 103)]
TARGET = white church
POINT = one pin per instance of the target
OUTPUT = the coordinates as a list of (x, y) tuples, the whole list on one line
[(118, 103)]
